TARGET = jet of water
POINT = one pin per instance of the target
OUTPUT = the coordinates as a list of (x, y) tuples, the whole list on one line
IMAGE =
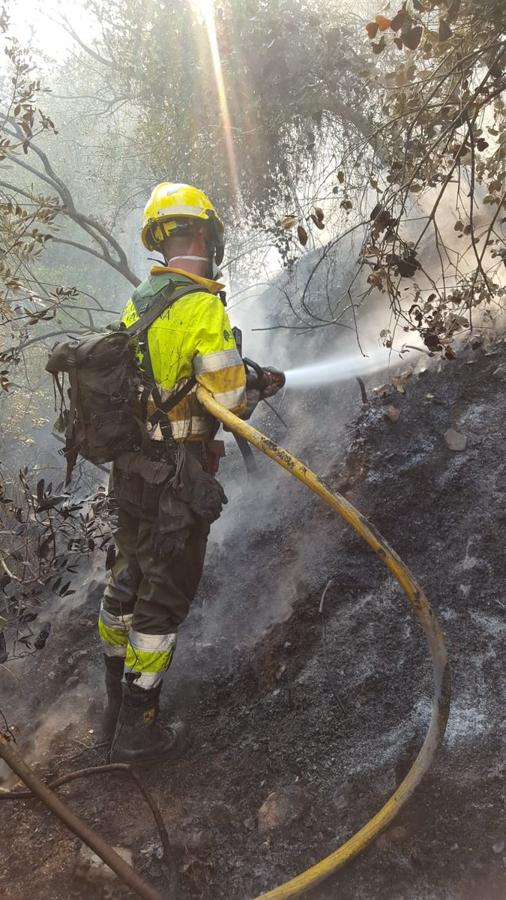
[(338, 368)]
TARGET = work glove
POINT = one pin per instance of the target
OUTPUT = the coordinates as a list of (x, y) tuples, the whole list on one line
[(207, 497), (203, 493)]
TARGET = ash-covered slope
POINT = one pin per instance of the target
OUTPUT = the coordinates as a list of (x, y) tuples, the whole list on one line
[(327, 708)]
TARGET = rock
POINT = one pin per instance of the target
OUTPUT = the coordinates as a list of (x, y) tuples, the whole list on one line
[(393, 413), (393, 837), (90, 867), (455, 440), (281, 808), (498, 847), (500, 372)]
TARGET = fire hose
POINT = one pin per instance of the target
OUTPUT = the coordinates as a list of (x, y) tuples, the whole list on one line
[(440, 702), (423, 612)]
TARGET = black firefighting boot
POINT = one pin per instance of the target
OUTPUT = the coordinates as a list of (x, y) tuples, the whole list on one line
[(138, 737), (113, 676)]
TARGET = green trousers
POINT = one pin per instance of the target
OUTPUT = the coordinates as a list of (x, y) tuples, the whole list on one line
[(156, 593), (145, 599)]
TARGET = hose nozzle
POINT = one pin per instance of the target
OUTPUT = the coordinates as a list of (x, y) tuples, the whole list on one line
[(265, 379)]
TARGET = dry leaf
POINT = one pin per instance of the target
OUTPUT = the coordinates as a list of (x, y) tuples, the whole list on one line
[(402, 18), (399, 382), (383, 23), (445, 31), (302, 235), (412, 37), (288, 222), (317, 222), (380, 46)]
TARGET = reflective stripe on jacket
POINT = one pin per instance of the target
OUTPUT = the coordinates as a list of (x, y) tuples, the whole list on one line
[(192, 337)]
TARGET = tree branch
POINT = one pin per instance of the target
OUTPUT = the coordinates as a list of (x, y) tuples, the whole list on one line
[(96, 231), (67, 27)]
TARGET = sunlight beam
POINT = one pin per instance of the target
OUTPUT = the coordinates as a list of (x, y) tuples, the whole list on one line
[(205, 11)]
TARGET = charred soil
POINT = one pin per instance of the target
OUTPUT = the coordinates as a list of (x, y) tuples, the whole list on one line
[(325, 712)]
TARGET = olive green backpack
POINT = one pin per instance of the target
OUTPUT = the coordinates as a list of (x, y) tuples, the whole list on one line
[(106, 413)]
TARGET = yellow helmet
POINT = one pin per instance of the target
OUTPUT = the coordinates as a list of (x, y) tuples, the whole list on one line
[(171, 202)]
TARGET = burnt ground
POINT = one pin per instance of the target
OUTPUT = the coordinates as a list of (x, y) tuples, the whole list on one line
[(329, 706)]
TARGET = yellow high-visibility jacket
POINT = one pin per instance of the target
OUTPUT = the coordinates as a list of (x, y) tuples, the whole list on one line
[(191, 337)]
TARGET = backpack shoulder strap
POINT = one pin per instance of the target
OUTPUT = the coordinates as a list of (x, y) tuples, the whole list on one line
[(162, 301)]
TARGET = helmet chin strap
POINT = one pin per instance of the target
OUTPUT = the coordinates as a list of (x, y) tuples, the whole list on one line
[(199, 258)]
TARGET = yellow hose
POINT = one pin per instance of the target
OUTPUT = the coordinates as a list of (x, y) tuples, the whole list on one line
[(425, 615)]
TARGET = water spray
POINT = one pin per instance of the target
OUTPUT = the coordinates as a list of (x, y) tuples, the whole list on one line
[(338, 368)]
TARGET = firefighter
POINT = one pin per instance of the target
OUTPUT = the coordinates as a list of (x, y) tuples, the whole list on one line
[(160, 539)]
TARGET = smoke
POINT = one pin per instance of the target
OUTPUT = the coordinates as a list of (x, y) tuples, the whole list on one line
[(38, 728), (274, 545)]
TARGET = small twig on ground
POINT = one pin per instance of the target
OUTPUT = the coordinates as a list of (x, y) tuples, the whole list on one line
[(6, 724), (73, 756), (363, 391), (322, 601), (324, 642)]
